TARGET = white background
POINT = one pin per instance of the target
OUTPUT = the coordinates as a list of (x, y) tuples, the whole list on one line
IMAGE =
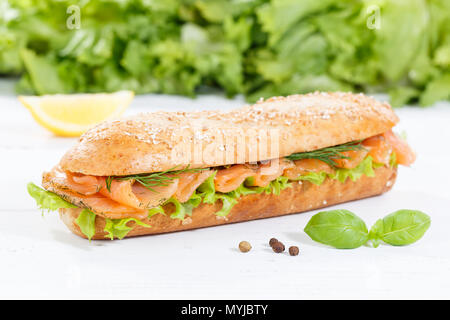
[(40, 258)]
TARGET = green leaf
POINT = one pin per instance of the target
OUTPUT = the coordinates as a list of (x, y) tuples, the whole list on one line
[(243, 190), (207, 190), (43, 74), (438, 89), (185, 208), (156, 210), (314, 177), (86, 222), (208, 193), (180, 212), (278, 185), (47, 200), (258, 48), (341, 229), (228, 202), (398, 40), (400, 228), (365, 167), (393, 160), (118, 228), (194, 201), (402, 95)]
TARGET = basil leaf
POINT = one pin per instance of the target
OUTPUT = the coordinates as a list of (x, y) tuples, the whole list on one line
[(400, 228), (341, 229)]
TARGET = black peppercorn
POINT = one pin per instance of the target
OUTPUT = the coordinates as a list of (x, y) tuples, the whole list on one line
[(293, 251), (272, 241), (278, 247)]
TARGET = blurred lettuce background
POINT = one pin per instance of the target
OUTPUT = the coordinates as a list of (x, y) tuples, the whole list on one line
[(259, 48)]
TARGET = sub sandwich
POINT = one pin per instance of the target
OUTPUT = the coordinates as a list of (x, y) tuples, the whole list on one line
[(171, 171)]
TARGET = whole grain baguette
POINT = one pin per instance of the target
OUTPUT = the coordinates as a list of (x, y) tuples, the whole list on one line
[(301, 197), (281, 126)]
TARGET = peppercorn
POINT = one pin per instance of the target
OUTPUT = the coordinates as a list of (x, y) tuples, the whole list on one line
[(278, 247), (244, 246), (272, 241), (293, 251)]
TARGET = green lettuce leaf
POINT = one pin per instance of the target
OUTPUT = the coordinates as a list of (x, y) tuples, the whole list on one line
[(207, 190), (118, 228), (245, 189), (393, 160), (278, 185), (401, 95), (86, 222), (37, 67), (47, 200), (257, 48), (365, 167), (209, 195), (228, 202), (194, 201), (205, 193), (184, 209), (314, 177), (438, 89), (156, 210)]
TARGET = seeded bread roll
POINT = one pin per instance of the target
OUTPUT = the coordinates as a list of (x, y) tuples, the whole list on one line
[(273, 128), (301, 197)]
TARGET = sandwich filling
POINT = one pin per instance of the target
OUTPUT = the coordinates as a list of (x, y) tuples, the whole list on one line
[(121, 199)]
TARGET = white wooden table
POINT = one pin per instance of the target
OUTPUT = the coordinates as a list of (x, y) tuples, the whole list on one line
[(40, 258)]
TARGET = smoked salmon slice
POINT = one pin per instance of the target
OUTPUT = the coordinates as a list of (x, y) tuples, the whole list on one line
[(96, 203), (188, 182), (303, 166), (379, 149), (229, 179), (124, 199), (271, 170), (83, 184), (155, 197), (135, 195), (403, 152), (354, 157), (111, 209), (121, 192), (75, 182)]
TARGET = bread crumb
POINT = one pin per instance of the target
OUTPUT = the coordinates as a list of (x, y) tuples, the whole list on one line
[(186, 221)]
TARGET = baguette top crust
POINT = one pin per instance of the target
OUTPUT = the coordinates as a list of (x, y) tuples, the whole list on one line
[(272, 128)]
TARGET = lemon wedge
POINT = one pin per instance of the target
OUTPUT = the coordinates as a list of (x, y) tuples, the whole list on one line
[(70, 115)]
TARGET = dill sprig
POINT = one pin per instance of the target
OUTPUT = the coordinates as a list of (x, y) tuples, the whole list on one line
[(329, 154), (108, 181), (152, 180)]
